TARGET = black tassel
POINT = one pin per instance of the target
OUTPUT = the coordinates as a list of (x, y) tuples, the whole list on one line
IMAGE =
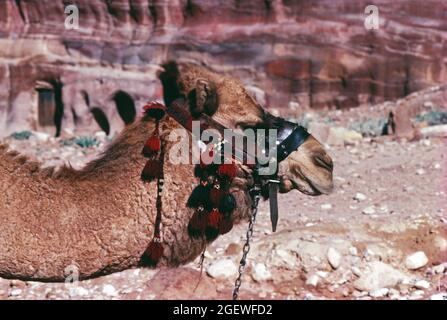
[(199, 196), (227, 203), (199, 172), (211, 233)]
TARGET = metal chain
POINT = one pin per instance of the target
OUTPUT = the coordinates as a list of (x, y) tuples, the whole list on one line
[(246, 248)]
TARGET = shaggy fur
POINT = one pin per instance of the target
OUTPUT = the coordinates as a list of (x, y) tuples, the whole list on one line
[(101, 219)]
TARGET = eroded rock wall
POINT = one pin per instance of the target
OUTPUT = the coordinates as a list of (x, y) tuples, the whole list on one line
[(315, 54)]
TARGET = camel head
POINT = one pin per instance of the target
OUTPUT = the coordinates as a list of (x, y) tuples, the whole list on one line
[(308, 169)]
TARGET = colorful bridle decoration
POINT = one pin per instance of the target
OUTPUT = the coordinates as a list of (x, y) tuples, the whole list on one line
[(212, 200), (154, 170)]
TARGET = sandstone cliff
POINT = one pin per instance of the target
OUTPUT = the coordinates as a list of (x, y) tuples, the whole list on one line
[(313, 53)]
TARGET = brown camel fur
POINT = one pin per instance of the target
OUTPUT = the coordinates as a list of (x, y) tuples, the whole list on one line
[(101, 219)]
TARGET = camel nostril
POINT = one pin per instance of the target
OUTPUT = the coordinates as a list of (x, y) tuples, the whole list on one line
[(324, 161)]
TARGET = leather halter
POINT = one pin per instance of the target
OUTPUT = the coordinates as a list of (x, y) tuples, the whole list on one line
[(290, 137)]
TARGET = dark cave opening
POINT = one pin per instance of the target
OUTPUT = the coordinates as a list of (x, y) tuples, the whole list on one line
[(125, 106), (101, 119)]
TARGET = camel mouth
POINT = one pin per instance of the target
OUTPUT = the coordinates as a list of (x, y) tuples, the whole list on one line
[(305, 186), (309, 182)]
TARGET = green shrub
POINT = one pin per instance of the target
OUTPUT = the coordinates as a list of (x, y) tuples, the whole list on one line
[(83, 142), (432, 117), (22, 135), (370, 127)]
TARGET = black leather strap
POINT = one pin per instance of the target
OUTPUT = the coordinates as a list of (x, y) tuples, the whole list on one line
[(290, 144)]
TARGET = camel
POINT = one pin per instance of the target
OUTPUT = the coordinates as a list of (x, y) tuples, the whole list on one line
[(100, 219)]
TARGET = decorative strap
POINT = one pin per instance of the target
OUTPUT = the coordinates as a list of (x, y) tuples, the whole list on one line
[(154, 170)]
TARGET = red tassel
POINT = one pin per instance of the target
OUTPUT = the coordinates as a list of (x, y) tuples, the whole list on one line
[(152, 146), (216, 195), (152, 170), (228, 170), (213, 219), (155, 110), (225, 225), (212, 227), (154, 251), (197, 224)]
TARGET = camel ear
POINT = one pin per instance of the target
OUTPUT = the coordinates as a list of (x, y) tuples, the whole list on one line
[(170, 80), (203, 98)]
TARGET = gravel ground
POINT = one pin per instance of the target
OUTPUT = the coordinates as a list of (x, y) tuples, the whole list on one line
[(382, 234)]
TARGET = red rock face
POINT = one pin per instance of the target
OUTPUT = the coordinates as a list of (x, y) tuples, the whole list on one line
[(316, 53)]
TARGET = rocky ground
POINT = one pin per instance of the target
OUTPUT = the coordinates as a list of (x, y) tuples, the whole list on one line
[(382, 233)]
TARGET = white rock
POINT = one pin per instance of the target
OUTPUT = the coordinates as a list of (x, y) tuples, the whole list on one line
[(109, 290), (261, 273), (100, 135), (340, 136), (293, 105), (383, 209), (428, 105), (359, 196), (356, 271), (222, 269), (313, 280), (440, 243), (334, 258), (416, 260), (321, 274), (393, 294), (41, 136), (77, 291), (439, 269), (420, 172), (417, 294), (353, 251), (309, 296), (434, 131), (285, 258), (369, 210), (439, 296), (66, 132), (326, 206), (422, 284), (15, 292), (379, 293), (378, 275), (368, 253)]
